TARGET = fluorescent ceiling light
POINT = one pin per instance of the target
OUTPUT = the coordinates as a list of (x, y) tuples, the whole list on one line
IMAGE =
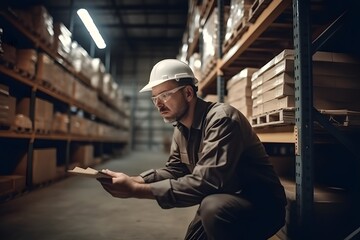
[(91, 27)]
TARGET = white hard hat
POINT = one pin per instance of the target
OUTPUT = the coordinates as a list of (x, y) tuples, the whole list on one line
[(168, 69)]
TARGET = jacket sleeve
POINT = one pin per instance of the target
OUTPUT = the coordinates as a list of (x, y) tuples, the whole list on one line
[(173, 169)]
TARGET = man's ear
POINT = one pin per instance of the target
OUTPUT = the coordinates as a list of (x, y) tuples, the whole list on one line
[(189, 93)]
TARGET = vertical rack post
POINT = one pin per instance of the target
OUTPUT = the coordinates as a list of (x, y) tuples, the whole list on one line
[(303, 117), (220, 33)]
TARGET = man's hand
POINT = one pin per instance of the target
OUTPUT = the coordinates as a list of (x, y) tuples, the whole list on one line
[(124, 186)]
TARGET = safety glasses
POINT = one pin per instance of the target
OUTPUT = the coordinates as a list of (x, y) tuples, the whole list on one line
[(165, 96)]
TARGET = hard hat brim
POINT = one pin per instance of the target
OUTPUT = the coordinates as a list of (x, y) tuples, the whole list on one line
[(152, 84)]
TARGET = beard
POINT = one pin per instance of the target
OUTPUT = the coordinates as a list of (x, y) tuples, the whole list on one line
[(179, 115)]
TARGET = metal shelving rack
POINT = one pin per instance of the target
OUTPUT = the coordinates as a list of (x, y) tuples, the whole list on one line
[(302, 134)]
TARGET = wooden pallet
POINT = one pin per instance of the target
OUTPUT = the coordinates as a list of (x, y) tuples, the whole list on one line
[(21, 129), (42, 131), (257, 8), (24, 73), (240, 28), (283, 116)]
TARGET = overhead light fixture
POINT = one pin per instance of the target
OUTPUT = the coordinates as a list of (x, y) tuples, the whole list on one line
[(91, 27)]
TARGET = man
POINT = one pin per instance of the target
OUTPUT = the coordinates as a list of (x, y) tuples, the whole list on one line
[(216, 161)]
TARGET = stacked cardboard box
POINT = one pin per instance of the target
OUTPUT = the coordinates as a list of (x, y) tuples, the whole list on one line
[(53, 75), (43, 113), (60, 123), (83, 156), (239, 91), (84, 94), (334, 79)]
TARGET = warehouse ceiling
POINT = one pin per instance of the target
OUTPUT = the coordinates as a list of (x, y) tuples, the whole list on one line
[(146, 26)]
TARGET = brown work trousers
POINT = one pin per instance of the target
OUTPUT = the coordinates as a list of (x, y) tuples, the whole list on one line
[(225, 217)]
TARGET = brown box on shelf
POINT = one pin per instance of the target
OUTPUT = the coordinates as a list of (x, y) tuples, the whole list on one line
[(244, 105), (26, 60), (43, 165), (45, 68), (7, 110), (283, 78), (243, 78), (83, 155), (43, 113), (9, 55), (75, 125), (60, 123), (238, 92), (285, 54), (275, 104), (278, 92)]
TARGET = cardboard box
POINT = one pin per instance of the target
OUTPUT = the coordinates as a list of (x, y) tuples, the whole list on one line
[(26, 60), (60, 123), (244, 76), (43, 112), (43, 165), (83, 155)]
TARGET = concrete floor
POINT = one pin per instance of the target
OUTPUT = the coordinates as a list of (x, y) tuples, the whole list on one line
[(79, 208)]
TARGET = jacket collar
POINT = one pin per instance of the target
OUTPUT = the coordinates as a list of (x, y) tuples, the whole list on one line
[(201, 108)]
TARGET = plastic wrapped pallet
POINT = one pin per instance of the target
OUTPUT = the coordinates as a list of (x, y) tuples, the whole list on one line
[(62, 40), (194, 23), (239, 11), (43, 24), (210, 40), (99, 71)]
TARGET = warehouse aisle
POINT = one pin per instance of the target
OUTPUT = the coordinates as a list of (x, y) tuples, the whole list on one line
[(78, 208)]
